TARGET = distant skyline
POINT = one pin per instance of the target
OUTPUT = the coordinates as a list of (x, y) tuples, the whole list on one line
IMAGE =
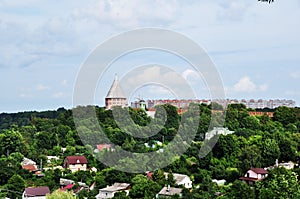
[(254, 45)]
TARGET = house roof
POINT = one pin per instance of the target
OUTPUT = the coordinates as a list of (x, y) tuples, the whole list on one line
[(37, 191), (115, 90), (100, 147), (69, 186), (177, 177), (27, 161), (29, 167), (250, 179), (170, 192), (259, 170), (116, 187), (76, 159), (149, 174)]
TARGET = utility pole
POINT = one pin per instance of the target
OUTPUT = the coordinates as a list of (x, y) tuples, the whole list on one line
[(41, 164)]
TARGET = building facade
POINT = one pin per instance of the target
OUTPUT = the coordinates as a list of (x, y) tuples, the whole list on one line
[(75, 163), (184, 103)]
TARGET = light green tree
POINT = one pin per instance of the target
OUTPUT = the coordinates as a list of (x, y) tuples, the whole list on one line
[(61, 195)]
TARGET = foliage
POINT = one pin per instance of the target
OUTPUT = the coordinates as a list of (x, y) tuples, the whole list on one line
[(257, 142), (61, 195), (280, 183)]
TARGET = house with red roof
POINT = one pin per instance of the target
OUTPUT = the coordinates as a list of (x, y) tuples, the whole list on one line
[(30, 167), (254, 174), (101, 147), (35, 192), (75, 163)]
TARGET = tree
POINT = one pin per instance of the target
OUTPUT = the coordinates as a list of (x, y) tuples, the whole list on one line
[(11, 141), (15, 185), (250, 157), (61, 195), (240, 190), (270, 151), (280, 183), (250, 122), (143, 188), (285, 115)]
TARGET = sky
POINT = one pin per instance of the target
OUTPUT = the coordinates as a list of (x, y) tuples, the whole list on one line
[(254, 46)]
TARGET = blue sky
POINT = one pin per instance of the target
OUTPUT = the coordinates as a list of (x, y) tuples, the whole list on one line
[(255, 47)]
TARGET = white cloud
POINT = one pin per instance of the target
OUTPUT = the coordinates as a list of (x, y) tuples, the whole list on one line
[(190, 74), (64, 82), (245, 84), (292, 93), (25, 95), (129, 13), (161, 76), (40, 36), (159, 90), (295, 75), (233, 10), (59, 95), (41, 87)]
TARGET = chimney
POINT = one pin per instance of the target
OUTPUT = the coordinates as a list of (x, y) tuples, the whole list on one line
[(168, 188)]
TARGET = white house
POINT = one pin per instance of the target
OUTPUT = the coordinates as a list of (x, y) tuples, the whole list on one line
[(35, 193), (75, 163), (27, 161), (52, 158), (110, 191), (254, 174), (181, 179), (168, 192), (219, 182)]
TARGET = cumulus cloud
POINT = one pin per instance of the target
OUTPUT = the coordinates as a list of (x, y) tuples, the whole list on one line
[(233, 10), (245, 84), (41, 87), (58, 95), (169, 81), (295, 75), (190, 74), (64, 82), (129, 13)]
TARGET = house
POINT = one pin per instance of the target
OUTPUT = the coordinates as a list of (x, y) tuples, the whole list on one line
[(181, 179), (254, 174), (64, 182), (35, 192), (110, 191), (101, 147), (30, 167), (219, 182), (51, 159), (168, 192), (287, 165), (27, 161), (75, 163)]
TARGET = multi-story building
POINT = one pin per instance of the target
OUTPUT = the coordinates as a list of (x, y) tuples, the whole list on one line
[(184, 103)]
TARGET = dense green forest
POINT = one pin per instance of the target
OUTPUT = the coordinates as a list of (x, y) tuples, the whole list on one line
[(257, 141)]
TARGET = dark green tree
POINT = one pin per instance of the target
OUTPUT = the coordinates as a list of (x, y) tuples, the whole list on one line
[(16, 186)]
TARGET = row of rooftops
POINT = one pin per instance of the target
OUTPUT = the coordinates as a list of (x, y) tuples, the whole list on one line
[(115, 92)]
